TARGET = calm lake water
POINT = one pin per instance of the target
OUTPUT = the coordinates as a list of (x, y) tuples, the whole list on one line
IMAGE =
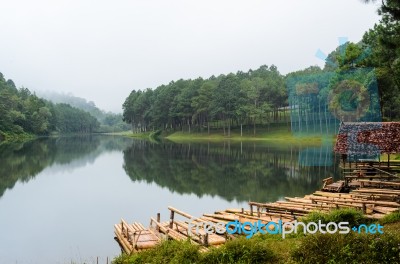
[(60, 197)]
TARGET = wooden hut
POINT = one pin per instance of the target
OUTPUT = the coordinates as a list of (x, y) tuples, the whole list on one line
[(361, 144)]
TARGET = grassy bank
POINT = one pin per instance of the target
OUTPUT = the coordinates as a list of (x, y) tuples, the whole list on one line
[(152, 136), (130, 134), (276, 133), (299, 248)]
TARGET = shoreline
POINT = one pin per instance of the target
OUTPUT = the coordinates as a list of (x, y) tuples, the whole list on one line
[(281, 136)]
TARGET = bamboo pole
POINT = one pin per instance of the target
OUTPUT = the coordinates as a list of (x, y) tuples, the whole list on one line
[(180, 212)]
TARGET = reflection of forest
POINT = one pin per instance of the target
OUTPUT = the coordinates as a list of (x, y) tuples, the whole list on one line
[(238, 171), (23, 161)]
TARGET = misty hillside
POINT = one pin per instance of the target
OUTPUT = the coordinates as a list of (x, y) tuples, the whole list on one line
[(74, 101), (109, 121)]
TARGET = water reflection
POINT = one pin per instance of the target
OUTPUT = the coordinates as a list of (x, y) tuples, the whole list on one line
[(233, 171), (79, 206), (242, 172), (23, 161)]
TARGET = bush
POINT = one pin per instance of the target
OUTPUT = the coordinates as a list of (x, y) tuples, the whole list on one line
[(241, 250), (353, 216), (349, 248), (390, 218), (171, 251)]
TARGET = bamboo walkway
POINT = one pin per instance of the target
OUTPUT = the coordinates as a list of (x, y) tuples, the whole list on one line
[(374, 202)]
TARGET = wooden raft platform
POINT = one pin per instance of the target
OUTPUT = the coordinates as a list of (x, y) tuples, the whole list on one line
[(375, 203), (135, 237)]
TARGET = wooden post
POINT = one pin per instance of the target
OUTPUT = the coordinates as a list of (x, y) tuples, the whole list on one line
[(206, 240), (171, 221), (364, 209), (258, 211), (251, 209), (158, 221)]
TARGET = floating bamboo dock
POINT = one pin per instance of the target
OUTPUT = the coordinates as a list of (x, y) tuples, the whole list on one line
[(373, 201)]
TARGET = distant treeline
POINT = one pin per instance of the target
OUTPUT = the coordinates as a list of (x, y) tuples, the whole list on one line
[(245, 98), (371, 68), (23, 112)]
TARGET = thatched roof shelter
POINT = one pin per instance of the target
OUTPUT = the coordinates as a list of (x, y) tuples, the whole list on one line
[(368, 138)]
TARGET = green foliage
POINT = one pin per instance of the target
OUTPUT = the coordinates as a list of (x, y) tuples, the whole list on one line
[(180, 252), (74, 120), (384, 42), (22, 112), (349, 248), (155, 134), (390, 218), (171, 251), (218, 102), (109, 122), (353, 216), (241, 250)]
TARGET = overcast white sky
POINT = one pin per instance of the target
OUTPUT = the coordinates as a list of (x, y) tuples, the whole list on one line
[(102, 49)]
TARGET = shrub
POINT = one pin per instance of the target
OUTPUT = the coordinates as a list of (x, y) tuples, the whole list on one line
[(171, 251), (353, 216), (350, 248), (390, 218), (241, 250)]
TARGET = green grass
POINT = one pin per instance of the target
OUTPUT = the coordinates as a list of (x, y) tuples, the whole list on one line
[(278, 133), (259, 249), (391, 218), (384, 157), (352, 216), (349, 248), (130, 134)]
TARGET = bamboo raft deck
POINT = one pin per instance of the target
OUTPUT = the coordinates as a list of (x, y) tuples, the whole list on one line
[(374, 202)]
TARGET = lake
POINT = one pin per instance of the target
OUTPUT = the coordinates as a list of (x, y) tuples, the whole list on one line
[(60, 197)]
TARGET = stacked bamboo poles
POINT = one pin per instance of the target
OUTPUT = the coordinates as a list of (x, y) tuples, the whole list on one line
[(374, 203)]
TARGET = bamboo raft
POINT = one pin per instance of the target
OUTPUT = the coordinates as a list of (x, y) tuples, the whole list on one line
[(375, 203)]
